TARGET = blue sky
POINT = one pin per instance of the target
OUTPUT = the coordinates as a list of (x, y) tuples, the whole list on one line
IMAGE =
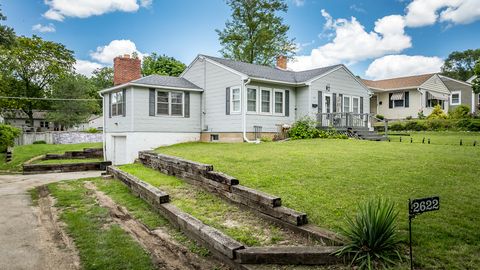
[(375, 39)]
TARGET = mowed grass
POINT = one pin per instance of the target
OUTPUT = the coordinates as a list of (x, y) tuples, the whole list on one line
[(23, 153), (437, 138), (67, 161), (329, 178), (101, 243)]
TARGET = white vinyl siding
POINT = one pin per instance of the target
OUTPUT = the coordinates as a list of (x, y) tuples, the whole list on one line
[(117, 103), (170, 103), (235, 100)]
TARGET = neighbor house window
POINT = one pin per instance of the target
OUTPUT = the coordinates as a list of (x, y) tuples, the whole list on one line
[(434, 102), (170, 103), (356, 104), (456, 96), (117, 103), (265, 101), (279, 99), (251, 100), (44, 124), (346, 104), (235, 100)]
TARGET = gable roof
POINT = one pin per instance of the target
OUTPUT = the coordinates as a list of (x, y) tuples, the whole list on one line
[(166, 81), (472, 78), (455, 85), (399, 83), (270, 73)]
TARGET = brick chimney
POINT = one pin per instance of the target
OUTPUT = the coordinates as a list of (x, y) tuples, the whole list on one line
[(282, 62), (125, 69)]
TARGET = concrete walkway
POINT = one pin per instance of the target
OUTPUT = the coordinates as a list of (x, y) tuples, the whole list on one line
[(21, 245)]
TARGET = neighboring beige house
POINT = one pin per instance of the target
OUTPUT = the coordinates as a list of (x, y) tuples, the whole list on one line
[(405, 97)]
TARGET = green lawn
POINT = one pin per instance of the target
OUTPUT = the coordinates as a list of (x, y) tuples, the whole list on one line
[(23, 153), (67, 161), (328, 178), (439, 138)]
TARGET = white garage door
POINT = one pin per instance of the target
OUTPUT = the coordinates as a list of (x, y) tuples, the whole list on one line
[(119, 150)]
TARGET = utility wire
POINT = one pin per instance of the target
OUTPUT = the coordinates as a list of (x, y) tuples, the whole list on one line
[(52, 99)]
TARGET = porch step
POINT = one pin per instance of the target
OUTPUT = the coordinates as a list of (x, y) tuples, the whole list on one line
[(369, 135)]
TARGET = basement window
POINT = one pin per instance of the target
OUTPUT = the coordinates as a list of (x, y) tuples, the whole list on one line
[(214, 137)]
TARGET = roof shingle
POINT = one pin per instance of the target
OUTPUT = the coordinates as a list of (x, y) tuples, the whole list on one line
[(398, 83), (166, 81)]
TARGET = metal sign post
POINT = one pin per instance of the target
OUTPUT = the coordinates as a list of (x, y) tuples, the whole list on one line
[(417, 207)]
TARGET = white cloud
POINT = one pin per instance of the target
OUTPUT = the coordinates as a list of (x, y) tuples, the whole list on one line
[(299, 3), (427, 12), (50, 28), (351, 43), (105, 54), (86, 67), (59, 9), (357, 8), (403, 65)]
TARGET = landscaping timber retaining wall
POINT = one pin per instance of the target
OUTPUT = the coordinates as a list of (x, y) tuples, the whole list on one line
[(224, 247), (229, 188), (67, 167), (85, 153)]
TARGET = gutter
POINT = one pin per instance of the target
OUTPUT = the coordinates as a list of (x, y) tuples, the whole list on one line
[(245, 107), (104, 145)]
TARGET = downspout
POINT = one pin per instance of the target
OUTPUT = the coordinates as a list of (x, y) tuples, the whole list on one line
[(104, 127), (245, 107)]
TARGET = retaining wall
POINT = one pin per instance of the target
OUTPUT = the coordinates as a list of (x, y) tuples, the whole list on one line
[(70, 167), (58, 137), (85, 153)]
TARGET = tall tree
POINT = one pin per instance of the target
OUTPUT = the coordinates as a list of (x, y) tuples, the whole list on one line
[(459, 65), (102, 78), (31, 66), (68, 113), (162, 65), (256, 33), (476, 81), (7, 35)]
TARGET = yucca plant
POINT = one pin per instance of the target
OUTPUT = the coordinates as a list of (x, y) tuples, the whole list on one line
[(371, 236)]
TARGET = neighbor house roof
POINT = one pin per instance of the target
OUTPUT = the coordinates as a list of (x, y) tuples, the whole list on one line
[(166, 81), (398, 83), (271, 73), (472, 78), (18, 114)]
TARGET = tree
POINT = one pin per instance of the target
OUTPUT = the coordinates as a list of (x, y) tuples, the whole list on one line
[(162, 65), (68, 113), (102, 78), (460, 65), (30, 67), (256, 34), (7, 35), (476, 81)]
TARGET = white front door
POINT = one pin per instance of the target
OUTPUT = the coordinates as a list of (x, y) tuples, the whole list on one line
[(119, 150), (327, 109)]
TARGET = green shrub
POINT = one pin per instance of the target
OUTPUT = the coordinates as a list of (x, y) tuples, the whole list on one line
[(7, 136), (266, 139), (331, 134), (372, 238), (397, 126), (420, 115), (409, 117), (460, 112), (305, 128), (474, 125), (379, 116), (415, 125), (39, 142), (92, 130), (437, 113)]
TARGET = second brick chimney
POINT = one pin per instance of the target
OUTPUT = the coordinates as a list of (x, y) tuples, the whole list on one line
[(125, 69), (282, 62)]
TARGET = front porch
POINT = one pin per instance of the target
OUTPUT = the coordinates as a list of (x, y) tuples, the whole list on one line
[(344, 121)]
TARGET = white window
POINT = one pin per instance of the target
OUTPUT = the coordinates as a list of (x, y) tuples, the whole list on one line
[(456, 98), (117, 103), (346, 104), (355, 105), (251, 100), (235, 100), (170, 103), (266, 98), (279, 102)]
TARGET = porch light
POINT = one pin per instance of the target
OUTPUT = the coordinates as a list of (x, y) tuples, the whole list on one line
[(327, 88)]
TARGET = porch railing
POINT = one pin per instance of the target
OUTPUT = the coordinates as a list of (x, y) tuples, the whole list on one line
[(344, 120)]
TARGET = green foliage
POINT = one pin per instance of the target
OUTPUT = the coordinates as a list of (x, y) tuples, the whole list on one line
[(256, 33), (39, 142), (420, 115), (379, 116), (92, 130), (409, 117), (7, 136), (69, 113), (460, 65), (305, 128), (29, 68), (464, 124), (461, 111), (437, 113), (331, 134), (162, 65), (266, 139), (415, 125), (397, 126), (476, 81), (7, 35), (102, 78), (372, 238)]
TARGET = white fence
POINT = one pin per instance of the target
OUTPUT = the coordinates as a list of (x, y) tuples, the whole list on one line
[(58, 137)]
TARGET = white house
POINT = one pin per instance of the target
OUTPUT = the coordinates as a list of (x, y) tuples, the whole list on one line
[(217, 99)]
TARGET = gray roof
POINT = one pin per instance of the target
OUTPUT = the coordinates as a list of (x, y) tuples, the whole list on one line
[(270, 73), (166, 81)]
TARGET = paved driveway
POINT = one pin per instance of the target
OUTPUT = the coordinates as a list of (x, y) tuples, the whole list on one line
[(21, 243)]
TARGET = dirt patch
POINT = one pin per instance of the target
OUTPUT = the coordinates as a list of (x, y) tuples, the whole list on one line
[(59, 247), (165, 251)]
